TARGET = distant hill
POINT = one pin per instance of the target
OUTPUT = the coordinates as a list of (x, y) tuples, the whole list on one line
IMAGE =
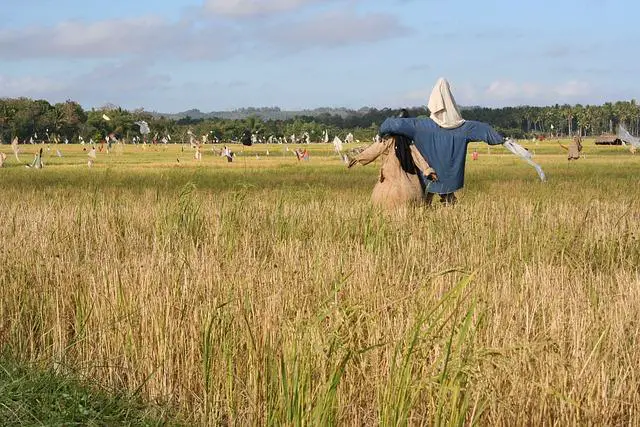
[(275, 113), (265, 113)]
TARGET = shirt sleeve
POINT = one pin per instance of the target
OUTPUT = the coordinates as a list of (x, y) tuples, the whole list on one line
[(393, 126), (373, 151), (479, 131)]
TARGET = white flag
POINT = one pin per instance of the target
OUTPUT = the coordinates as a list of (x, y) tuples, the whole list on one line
[(144, 127), (16, 149), (337, 144), (626, 137), (525, 155)]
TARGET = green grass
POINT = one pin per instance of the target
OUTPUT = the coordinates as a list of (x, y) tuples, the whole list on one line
[(33, 396)]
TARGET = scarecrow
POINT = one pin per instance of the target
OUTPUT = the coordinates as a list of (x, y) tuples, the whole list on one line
[(442, 139), (401, 176)]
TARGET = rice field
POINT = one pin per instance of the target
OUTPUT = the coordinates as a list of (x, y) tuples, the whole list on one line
[(268, 291)]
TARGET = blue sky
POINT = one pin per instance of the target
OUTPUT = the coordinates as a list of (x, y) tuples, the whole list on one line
[(171, 56)]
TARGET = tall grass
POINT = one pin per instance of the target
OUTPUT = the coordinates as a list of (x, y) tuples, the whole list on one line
[(280, 296)]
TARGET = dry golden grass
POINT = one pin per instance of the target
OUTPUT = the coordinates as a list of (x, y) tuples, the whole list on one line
[(270, 292)]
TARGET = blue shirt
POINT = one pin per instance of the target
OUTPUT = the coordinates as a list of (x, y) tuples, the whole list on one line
[(444, 149)]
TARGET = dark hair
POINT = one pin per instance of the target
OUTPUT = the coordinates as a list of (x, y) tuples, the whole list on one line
[(403, 153), (403, 148)]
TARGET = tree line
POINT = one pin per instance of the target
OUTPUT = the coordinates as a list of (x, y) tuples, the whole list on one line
[(26, 118)]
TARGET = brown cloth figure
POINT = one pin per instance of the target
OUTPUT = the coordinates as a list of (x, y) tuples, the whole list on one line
[(575, 148), (396, 186)]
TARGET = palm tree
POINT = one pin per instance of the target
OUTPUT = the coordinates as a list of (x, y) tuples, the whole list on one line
[(554, 118), (579, 114), (626, 112), (567, 113), (632, 115), (528, 116), (608, 115)]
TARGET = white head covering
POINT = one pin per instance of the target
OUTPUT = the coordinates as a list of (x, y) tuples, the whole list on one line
[(444, 110)]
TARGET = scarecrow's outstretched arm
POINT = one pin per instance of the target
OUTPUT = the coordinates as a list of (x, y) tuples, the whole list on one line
[(372, 152), (393, 126)]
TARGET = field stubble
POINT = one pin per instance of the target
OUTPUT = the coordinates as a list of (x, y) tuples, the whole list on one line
[(278, 296)]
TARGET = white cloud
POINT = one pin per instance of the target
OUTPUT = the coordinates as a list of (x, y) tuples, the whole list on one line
[(197, 36), (131, 50), (509, 92), (123, 77), (508, 89), (333, 29), (252, 8), (573, 88), (503, 89), (14, 87), (415, 97), (115, 38), (108, 82)]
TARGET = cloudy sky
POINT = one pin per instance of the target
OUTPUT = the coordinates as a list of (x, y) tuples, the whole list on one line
[(171, 56)]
